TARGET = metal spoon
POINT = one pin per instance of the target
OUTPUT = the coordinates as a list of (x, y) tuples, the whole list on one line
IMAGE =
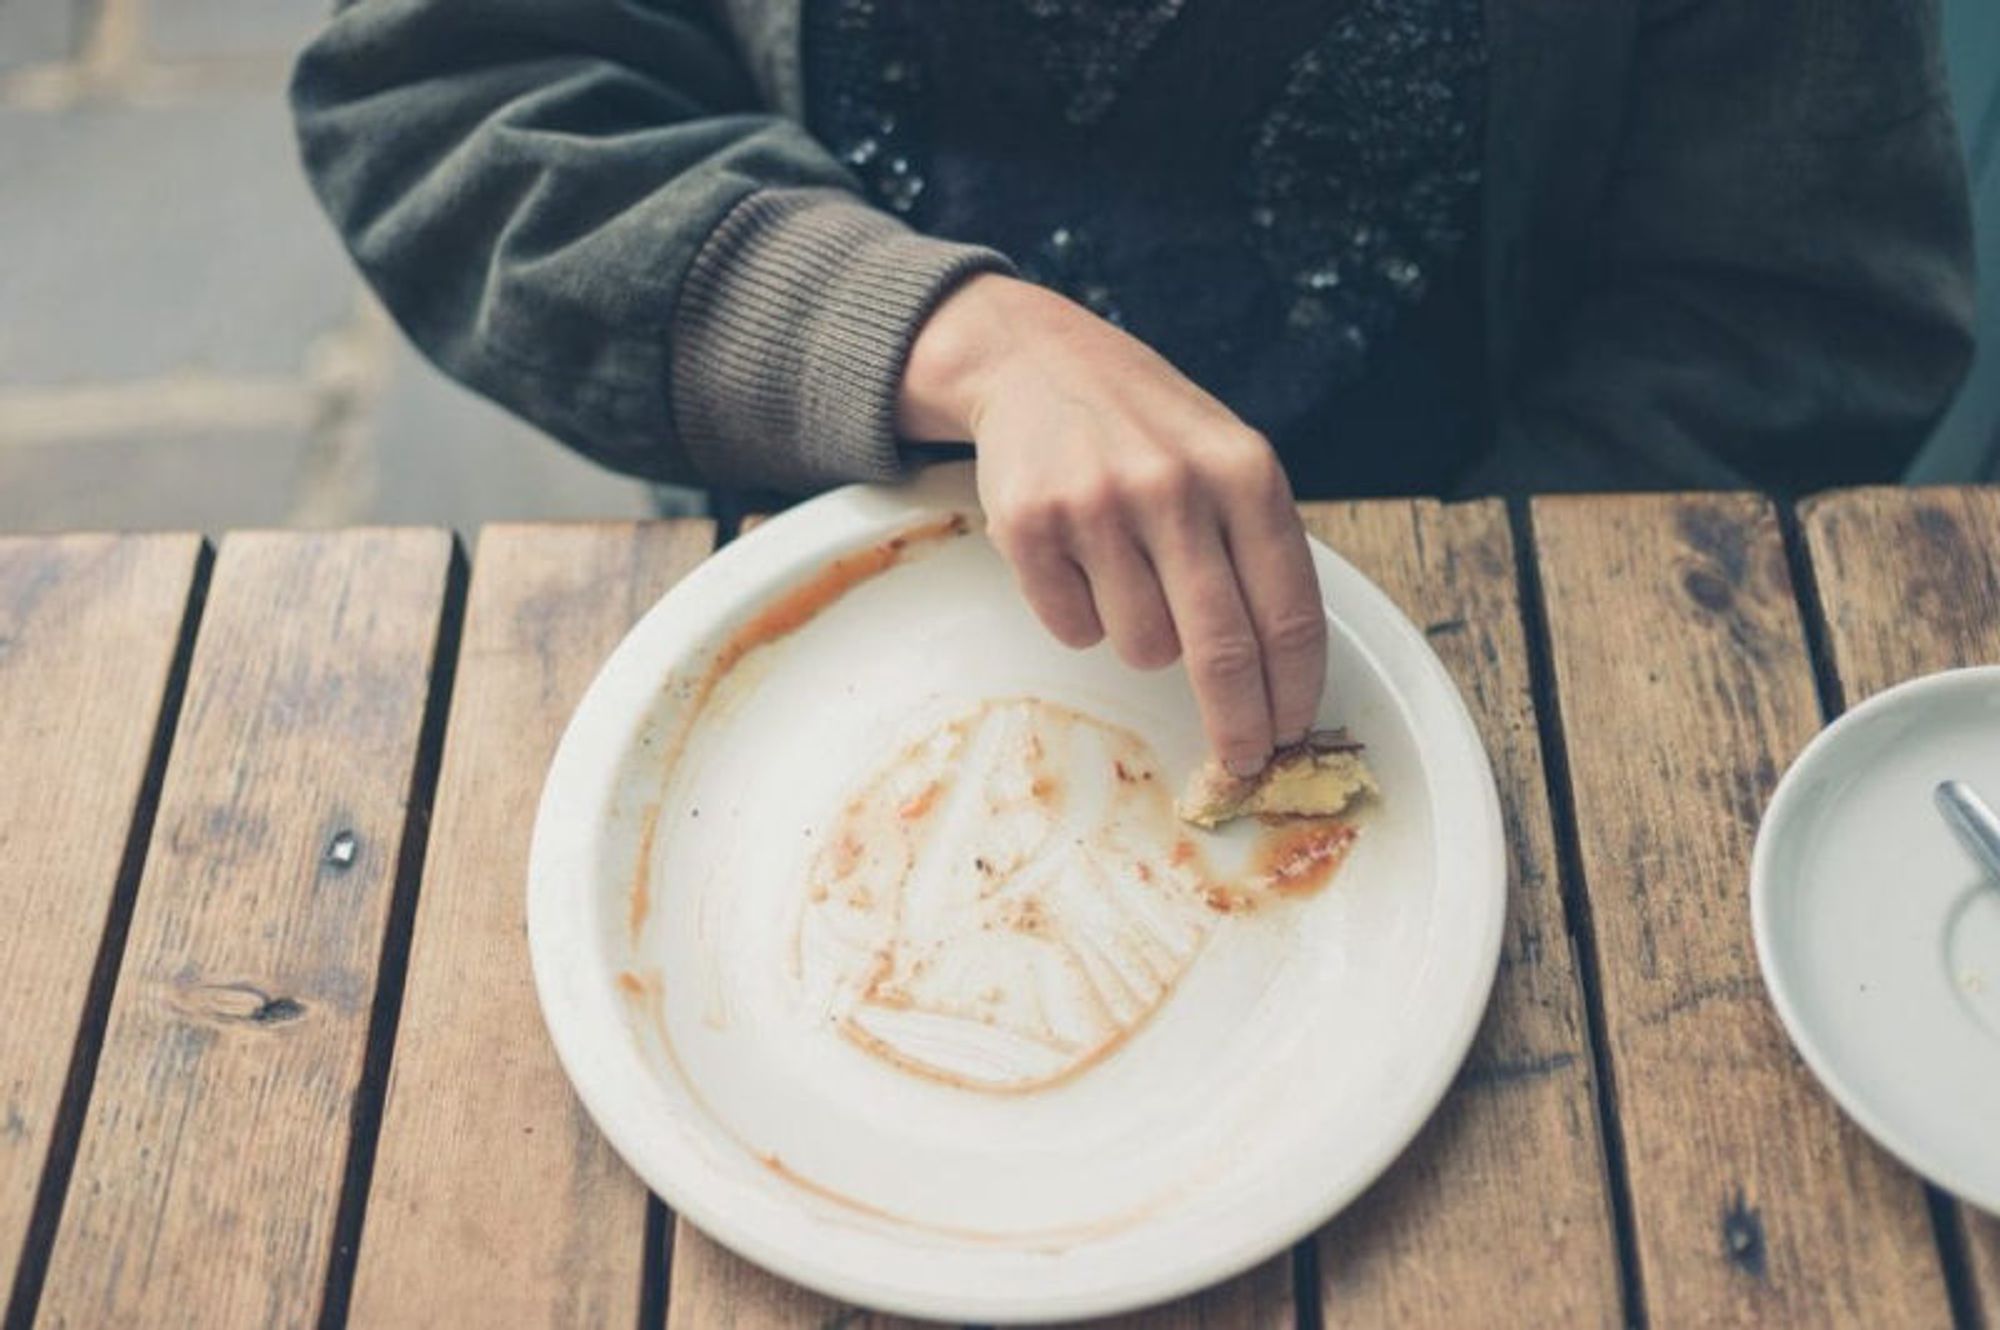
[(1977, 825)]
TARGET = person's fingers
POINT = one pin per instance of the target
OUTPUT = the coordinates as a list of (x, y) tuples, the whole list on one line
[(1127, 594), (1031, 537), (1059, 594), (1267, 544), (1224, 661)]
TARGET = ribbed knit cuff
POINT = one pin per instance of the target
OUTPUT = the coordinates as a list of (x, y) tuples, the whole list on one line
[(791, 332)]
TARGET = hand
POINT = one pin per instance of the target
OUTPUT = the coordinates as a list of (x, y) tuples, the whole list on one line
[(1130, 503)]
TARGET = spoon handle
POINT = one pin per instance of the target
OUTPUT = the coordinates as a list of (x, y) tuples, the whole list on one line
[(1976, 823)]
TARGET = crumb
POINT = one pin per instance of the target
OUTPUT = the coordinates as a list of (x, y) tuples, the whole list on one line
[(1223, 900), (921, 804), (1028, 916)]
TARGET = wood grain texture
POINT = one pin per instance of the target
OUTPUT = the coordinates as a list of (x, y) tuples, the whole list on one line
[(212, 1156), (712, 1288), (1506, 1186), (1909, 583), (1684, 688), (1982, 1236), (495, 1201), (89, 629), (1260, 1299)]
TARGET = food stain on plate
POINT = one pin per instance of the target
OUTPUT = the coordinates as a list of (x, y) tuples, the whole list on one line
[(1009, 898), (777, 620), (998, 908), (643, 991)]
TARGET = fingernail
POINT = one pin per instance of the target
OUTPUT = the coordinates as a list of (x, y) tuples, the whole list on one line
[(1244, 768)]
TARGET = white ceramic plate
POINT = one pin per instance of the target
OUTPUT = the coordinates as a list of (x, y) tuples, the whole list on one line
[(1152, 1096), (1879, 937)]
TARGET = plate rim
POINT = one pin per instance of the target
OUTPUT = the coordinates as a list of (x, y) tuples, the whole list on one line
[(1477, 854), (1783, 809)]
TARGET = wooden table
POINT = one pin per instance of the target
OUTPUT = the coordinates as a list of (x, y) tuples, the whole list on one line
[(272, 1054)]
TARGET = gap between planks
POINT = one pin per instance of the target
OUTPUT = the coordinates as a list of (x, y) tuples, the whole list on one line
[(350, 1213), (1946, 1230), (1448, 1235), (1682, 683), (219, 1093), (1899, 583), (507, 1207), (1576, 908), (67, 1131)]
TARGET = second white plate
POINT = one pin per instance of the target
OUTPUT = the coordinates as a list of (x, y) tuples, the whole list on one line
[(1879, 935)]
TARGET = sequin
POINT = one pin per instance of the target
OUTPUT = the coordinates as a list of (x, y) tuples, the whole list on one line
[(899, 184), (1358, 175), (876, 78), (1090, 50), (1066, 260)]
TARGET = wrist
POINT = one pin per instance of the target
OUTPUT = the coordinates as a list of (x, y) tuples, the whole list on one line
[(953, 359)]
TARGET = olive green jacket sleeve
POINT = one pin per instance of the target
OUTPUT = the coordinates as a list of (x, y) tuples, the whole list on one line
[(583, 210)]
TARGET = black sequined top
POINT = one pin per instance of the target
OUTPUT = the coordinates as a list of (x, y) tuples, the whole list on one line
[(1278, 195)]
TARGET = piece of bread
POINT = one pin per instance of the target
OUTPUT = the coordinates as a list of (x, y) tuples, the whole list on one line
[(1320, 776)]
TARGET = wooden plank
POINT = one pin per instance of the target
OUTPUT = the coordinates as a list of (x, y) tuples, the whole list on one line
[(1260, 1299), (1909, 583), (90, 627), (212, 1157), (712, 1288), (1684, 687), (1982, 1233), (495, 1201), (1451, 1235)]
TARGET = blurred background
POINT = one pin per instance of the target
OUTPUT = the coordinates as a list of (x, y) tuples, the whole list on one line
[(184, 344)]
